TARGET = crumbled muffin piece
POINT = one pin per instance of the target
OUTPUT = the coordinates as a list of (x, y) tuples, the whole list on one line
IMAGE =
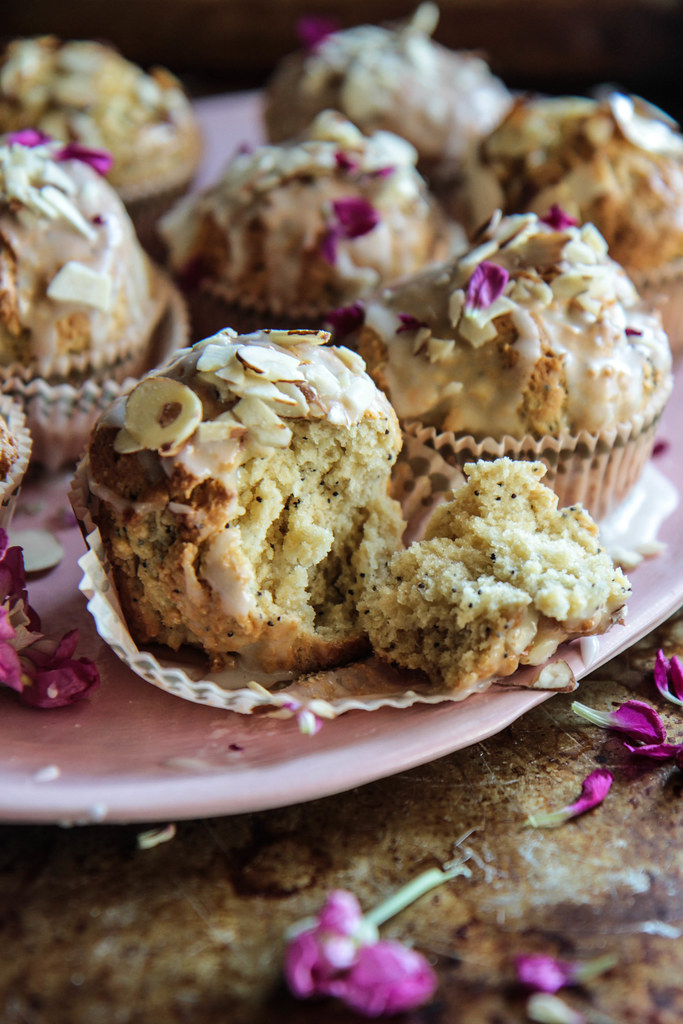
[(501, 579)]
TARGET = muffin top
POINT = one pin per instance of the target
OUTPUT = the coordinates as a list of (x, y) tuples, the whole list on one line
[(231, 398), (74, 282), (617, 162), (85, 92), (534, 331), (302, 227), (395, 78)]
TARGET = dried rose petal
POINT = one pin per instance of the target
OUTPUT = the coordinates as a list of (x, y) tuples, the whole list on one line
[(593, 791), (13, 580), (668, 676), (29, 137), (660, 448), (635, 718), (409, 323), (356, 216), (312, 29), (486, 285), (547, 974), (344, 162), (631, 332), (386, 978), (346, 319), (557, 219), (657, 751), (99, 159), (52, 678), (10, 667), (383, 172)]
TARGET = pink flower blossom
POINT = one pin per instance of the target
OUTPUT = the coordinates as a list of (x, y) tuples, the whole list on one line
[(99, 159), (547, 974), (346, 319), (668, 675), (635, 718), (594, 789), (352, 218), (557, 219), (486, 285), (29, 137), (409, 323), (386, 978), (341, 913), (313, 29)]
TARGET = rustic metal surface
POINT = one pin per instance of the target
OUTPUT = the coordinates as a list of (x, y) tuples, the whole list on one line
[(94, 929)]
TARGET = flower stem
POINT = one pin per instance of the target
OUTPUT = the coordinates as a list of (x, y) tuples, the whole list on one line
[(401, 899)]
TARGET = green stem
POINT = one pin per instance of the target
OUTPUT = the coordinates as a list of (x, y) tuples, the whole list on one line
[(401, 899)]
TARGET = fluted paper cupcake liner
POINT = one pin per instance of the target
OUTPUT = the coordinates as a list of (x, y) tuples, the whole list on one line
[(60, 415), (13, 415), (596, 470), (211, 311)]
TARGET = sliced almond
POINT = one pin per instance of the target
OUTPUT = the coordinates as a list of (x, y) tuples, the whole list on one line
[(76, 282), (274, 365), (162, 413)]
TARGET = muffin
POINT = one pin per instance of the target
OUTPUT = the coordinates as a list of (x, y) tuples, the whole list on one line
[(290, 232), (86, 93), (500, 580), (15, 451), (242, 497), (79, 300), (616, 162), (534, 344), (394, 78)]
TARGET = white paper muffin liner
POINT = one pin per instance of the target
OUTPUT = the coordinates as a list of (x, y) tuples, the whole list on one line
[(362, 685), (596, 470), (13, 415), (60, 415)]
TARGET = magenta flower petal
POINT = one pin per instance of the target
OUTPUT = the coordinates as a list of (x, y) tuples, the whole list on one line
[(486, 285), (99, 159), (312, 29), (52, 678), (328, 246), (341, 913), (657, 751), (557, 219), (346, 319), (302, 965), (660, 448), (344, 162), (668, 676), (7, 630), (383, 172), (29, 137), (543, 973), (10, 667), (631, 332), (355, 216), (593, 791), (409, 323), (387, 978), (635, 718)]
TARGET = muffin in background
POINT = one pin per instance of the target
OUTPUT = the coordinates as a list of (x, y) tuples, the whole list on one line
[(81, 305), (534, 344), (85, 92), (292, 231), (393, 78), (616, 162), (241, 493)]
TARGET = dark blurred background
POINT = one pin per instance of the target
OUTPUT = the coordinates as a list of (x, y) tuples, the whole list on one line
[(546, 45)]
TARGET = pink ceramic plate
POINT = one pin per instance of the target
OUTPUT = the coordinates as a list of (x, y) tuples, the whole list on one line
[(135, 753)]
